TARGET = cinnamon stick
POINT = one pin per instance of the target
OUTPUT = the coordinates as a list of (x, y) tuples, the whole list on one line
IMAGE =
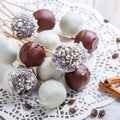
[(112, 90), (113, 80)]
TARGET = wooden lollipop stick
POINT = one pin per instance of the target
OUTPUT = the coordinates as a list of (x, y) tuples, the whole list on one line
[(8, 9), (48, 51), (17, 5), (20, 62), (65, 36), (7, 34), (5, 23), (7, 20), (112, 80), (112, 90), (11, 65), (6, 14)]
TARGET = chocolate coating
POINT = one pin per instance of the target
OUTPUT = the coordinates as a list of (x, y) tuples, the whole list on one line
[(45, 18), (78, 79), (88, 38), (32, 54)]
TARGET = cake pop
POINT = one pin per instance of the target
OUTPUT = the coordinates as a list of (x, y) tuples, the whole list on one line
[(78, 79), (8, 50), (23, 26), (71, 24), (48, 38), (32, 54), (45, 18), (48, 71), (51, 93), (88, 38), (22, 81), (68, 56)]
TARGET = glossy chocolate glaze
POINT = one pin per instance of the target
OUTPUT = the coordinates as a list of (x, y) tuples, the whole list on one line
[(78, 79), (88, 38), (45, 19), (32, 54)]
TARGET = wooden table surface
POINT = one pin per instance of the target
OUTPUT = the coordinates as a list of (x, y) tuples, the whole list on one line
[(109, 9)]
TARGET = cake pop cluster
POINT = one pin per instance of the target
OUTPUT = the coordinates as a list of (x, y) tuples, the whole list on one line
[(52, 58)]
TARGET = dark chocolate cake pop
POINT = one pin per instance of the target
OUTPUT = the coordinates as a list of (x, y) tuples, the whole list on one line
[(45, 18), (32, 54), (88, 38), (78, 79), (23, 26), (22, 81)]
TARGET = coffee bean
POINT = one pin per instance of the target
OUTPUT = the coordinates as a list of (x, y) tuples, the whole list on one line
[(106, 21), (63, 104), (101, 113), (27, 106), (72, 110), (94, 112), (71, 101), (2, 118), (115, 55), (118, 40)]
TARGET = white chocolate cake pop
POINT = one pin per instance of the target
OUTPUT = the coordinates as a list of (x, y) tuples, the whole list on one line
[(48, 71), (23, 26), (22, 81), (8, 50), (71, 23), (51, 93), (68, 56), (48, 38)]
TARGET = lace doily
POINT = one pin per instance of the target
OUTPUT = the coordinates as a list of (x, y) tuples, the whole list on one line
[(101, 65)]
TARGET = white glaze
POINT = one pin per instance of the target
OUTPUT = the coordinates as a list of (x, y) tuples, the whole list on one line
[(48, 38), (8, 50), (51, 93), (71, 23), (48, 71)]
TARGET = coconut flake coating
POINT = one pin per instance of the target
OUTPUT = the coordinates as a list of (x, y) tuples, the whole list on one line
[(68, 56), (23, 26), (22, 81)]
